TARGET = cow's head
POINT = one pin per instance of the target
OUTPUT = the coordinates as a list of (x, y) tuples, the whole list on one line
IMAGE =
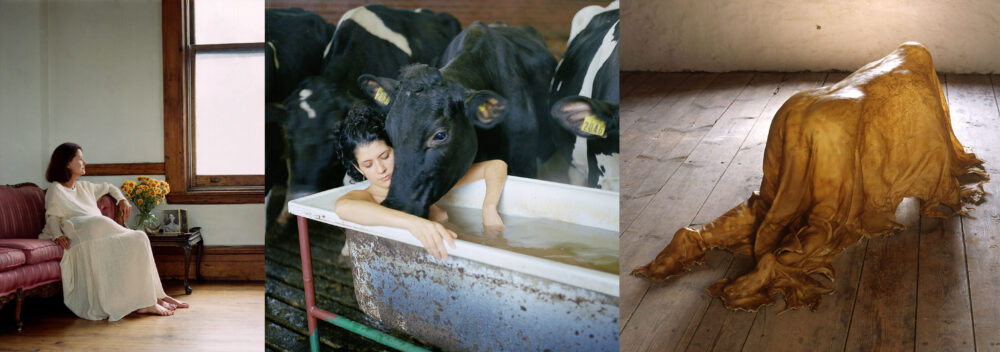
[(430, 123), (585, 117), (314, 108)]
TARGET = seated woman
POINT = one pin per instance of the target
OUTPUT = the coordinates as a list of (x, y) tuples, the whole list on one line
[(366, 152), (107, 270)]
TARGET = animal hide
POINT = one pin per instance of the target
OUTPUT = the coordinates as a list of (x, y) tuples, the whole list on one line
[(838, 161)]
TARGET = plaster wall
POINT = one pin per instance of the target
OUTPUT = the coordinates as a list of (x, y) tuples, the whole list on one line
[(91, 72), (22, 131), (814, 35)]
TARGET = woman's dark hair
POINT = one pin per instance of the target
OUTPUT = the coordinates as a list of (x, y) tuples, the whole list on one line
[(57, 171), (364, 124)]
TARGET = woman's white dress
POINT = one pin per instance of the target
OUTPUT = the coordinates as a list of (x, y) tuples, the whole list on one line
[(108, 270)]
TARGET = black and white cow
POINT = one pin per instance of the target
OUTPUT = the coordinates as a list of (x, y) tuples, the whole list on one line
[(295, 40), (372, 38), (584, 92), (487, 102)]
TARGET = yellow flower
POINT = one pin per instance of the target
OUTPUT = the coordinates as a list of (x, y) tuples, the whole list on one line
[(139, 201)]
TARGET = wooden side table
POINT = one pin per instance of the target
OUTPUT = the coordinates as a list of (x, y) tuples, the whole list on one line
[(186, 240)]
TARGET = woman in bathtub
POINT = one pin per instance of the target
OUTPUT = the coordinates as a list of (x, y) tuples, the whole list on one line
[(366, 153), (107, 270)]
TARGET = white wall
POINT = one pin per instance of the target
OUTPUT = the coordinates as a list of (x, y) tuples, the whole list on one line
[(106, 78), (91, 72), (21, 127), (817, 35)]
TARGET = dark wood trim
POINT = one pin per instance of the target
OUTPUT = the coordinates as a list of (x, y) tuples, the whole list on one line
[(239, 263), (125, 169), (177, 105), (174, 97), (206, 48), (218, 195), (228, 180)]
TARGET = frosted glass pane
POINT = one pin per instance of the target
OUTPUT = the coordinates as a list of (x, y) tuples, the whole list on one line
[(229, 114), (228, 21)]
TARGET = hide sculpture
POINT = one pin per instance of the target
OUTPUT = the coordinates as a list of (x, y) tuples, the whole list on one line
[(838, 161)]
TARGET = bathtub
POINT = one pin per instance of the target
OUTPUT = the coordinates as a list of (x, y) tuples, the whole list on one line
[(484, 298)]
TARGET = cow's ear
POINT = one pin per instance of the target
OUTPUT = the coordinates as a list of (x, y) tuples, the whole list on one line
[(380, 90), (485, 109), (586, 117)]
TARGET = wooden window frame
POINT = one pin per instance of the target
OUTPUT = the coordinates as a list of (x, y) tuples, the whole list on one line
[(178, 105)]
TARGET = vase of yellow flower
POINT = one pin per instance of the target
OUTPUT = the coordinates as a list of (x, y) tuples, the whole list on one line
[(146, 194)]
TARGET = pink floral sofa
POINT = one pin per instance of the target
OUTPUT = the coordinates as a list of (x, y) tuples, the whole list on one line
[(30, 266)]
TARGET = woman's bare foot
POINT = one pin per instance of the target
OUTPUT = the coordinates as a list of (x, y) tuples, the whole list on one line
[(175, 302), (155, 309), (166, 304)]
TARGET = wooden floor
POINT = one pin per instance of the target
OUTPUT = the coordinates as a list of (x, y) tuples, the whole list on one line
[(224, 316), (692, 148), (286, 316)]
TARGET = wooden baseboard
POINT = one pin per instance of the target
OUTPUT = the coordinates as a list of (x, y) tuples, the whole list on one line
[(234, 263)]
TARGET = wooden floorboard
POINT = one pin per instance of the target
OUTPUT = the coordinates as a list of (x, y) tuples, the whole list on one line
[(682, 119), (681, 196), (933, 286), (224, 316), (885, 306), (973, 100)]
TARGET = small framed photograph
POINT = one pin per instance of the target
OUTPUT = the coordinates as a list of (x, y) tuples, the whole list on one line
[(175, 221)]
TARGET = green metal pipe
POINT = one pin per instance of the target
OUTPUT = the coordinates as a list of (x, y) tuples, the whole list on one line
[(375, 335)]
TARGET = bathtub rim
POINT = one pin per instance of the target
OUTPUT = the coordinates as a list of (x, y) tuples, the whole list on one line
[(594, 280)]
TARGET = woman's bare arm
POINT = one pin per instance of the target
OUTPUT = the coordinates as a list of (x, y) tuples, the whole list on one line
[(495, 174), (359, 206)]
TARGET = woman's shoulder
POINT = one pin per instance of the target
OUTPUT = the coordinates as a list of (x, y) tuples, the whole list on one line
[(358, 194)]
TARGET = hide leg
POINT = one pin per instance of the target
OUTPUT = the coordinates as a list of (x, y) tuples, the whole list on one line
[(788, 272), (733, 231)]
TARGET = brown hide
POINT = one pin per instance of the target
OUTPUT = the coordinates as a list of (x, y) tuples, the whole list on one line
[(838, 161)]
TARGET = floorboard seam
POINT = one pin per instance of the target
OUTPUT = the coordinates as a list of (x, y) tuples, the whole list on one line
[(916, 295), (632, 313), (968, 281), (994, 86), (715, 341), (857, 292), (750, 330)]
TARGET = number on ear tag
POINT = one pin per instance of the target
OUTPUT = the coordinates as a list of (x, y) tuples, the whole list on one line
[(593, 125), (381, 96), (482, 107)]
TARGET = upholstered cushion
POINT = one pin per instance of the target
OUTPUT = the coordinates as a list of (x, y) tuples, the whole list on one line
[(35, 250), (22, 211), (31, 276), (11, 258), (8, 282)]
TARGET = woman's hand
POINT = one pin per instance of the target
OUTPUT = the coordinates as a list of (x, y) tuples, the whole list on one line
[(126, 208), (430, 234), (491, 219), (62, 241), (438, 214)]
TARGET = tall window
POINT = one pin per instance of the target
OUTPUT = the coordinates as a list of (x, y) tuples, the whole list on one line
[(213, 100)]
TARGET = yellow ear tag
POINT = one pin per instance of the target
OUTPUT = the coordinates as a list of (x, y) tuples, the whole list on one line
[(482, 107), (593, 125), (381, 96)]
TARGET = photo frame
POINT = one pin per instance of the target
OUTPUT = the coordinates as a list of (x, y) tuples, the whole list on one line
[(174, 222)]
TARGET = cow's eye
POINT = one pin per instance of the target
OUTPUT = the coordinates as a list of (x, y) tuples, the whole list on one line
[(440, 136)]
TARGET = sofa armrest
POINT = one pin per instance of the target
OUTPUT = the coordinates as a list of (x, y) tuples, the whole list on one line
[(109, 207)]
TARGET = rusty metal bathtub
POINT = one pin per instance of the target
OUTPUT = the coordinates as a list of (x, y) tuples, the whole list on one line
[(485, 298)]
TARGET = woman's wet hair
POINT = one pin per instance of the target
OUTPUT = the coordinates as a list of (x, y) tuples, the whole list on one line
[(364, 124), (58, 170)]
